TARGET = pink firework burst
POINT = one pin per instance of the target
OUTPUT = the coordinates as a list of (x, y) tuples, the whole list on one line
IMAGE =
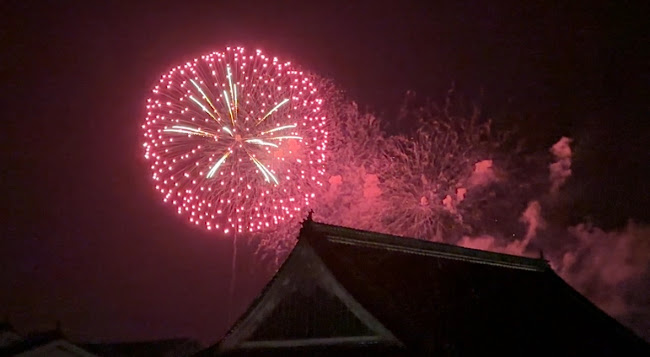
[(236, 140)]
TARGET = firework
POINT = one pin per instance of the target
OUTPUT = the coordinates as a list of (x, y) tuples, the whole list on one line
[(413, 185), (236, 140)]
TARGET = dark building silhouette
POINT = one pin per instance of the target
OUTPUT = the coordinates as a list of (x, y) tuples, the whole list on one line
[(347, 292), (8, 336), (177, 347), (48, 343), (55, 344)]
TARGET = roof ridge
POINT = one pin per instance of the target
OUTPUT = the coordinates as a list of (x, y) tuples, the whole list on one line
[(352, 236)]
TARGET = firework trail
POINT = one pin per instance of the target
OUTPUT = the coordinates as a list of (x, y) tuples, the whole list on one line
[(236, 140)]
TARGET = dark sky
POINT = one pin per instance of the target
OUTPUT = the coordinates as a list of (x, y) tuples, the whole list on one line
[(86, 240)]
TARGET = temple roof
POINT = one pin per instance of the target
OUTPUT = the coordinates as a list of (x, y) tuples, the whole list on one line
[(425, 297)]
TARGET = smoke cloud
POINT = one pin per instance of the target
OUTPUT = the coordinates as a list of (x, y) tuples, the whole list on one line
[(483, 174), (532, 217), (371, 188), (611, 268), (560, 170)]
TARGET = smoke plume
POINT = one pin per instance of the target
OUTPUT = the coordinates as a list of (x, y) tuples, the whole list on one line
[(612, 269), (531, 217), (560, 170)]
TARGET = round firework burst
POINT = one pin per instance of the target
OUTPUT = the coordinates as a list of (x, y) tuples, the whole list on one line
[(236, 140)]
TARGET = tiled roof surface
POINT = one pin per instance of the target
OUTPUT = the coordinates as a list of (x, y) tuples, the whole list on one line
[(437, 297)]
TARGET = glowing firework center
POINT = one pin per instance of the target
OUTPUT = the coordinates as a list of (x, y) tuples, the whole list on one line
[(236, 141)]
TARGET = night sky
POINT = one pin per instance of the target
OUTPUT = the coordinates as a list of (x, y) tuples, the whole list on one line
[(86, 240)]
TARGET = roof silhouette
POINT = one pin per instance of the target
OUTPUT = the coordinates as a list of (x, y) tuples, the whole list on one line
[(432, 298)]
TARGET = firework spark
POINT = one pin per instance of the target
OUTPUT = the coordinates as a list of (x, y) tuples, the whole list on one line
[(236, 140)]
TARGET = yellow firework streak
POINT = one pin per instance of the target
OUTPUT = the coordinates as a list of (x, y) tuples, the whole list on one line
[(235, 100), (232, 119), (233, 93), (280, 128), (204, 96), (214, 168), (259, 166), (227, 130), (266, 172), (187, 130), (272, 110), (260, 142), (203, 107)]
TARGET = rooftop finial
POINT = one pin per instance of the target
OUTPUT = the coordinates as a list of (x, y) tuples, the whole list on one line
[(306, 224)]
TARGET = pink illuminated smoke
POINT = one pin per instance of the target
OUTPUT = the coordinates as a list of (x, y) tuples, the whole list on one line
[(236, 140)]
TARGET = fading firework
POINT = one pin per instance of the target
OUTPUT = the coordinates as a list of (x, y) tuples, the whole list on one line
[(236, 140)]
